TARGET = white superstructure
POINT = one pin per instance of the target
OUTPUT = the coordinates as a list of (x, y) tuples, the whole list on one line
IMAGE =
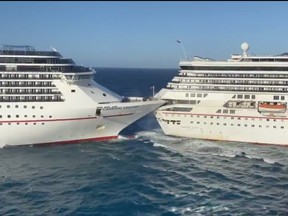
[(45, 98), (242, 99)]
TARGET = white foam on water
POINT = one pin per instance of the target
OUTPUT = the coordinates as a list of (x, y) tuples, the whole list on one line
[(173, 209), (186, 146)]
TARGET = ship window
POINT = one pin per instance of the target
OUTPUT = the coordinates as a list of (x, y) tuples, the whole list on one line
[(225, 111), (282, 97), (232, 111), (33, 107), (33, 116), (217, 123), (192, 95), (253, 96), (25, 106), (260, 126), (8, 106), (26, 123), (104, 94), (187, 95), (199, 95), (41, 107), (72, 90), (252, 125), (232, 124), (274, 126), (282, 127), (50, 116), (16, 106), (211, 123), (17, 116), (0, 116), (246, 96), (239, 124), (234, 96), (92, 92), (8, 116), (276, 97), (239, 96)]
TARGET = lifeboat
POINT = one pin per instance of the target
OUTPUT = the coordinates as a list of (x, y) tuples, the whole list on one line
[(272, 107)]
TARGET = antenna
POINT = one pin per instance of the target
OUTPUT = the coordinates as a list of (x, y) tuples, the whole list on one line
[(185, 55), (153, 90), (53, 49)]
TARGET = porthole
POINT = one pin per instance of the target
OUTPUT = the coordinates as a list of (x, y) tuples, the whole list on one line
[(0, 116), (33, 107), (42, 116), (104, 94), (16, 106), (41, 107), (25, 106), (8, 106), (17, 116), (50, 116), (8, 116), (43, 123), (26, 123), (34, 123), (33, 116)]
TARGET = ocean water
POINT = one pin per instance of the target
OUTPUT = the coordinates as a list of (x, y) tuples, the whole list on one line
[(151, 174)]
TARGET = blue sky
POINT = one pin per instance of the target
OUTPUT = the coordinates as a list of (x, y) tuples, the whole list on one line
[(144, 34)]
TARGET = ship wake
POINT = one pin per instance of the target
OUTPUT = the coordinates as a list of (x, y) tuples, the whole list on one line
[(184, 146)]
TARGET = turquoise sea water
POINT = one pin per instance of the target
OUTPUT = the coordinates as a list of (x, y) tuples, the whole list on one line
[(152, 174)]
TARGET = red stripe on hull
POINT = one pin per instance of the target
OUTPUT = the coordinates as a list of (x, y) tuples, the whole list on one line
[(235, 116), (75, 141)]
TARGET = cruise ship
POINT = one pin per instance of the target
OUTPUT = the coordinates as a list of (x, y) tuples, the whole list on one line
[(241, 99), (46, 99)]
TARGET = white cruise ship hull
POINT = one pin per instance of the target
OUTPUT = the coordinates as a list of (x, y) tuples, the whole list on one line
[(249, 129), (68, 125)]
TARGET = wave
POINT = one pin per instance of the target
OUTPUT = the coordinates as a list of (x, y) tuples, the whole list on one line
[(184, 146)]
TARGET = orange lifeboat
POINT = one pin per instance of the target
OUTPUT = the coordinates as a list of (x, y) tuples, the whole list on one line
[(272, 107)]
